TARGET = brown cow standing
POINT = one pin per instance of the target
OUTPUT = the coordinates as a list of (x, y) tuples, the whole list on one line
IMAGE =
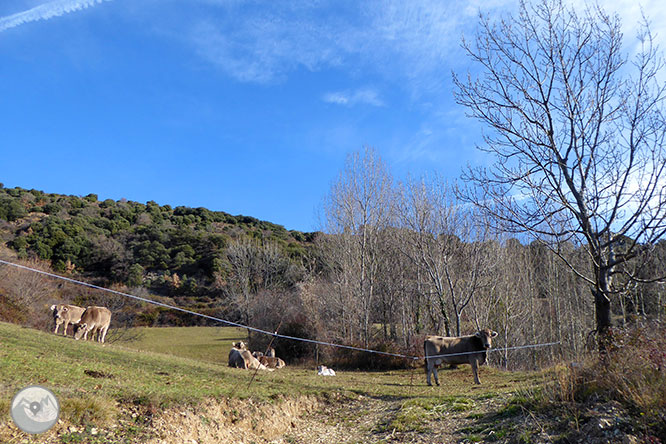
[(94, 319), (463, 350), (66, 314)]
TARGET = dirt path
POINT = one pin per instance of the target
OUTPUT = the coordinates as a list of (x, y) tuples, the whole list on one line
[(374, 420)]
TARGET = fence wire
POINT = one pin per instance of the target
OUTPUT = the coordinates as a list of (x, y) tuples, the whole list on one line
[(258, 330)]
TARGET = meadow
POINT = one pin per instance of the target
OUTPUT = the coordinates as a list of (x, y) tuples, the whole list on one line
[(110, 386)]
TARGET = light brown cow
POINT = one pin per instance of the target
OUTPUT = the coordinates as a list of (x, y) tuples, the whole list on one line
[(66, 314), (272, 362), (94, 319), (270, 353), (462, 350)]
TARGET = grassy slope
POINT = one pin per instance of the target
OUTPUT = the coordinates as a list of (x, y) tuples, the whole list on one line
[(192, 368), (209, 344)]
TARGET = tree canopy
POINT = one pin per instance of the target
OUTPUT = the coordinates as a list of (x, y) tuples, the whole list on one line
[(576, 131)]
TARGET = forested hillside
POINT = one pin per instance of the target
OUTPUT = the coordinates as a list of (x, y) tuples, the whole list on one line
[(191, 253), (108, 237)]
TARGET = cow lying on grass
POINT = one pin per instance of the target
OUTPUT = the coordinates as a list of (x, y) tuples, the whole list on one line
[(462, 350), (272, 362), (269, 359), (322, 370)]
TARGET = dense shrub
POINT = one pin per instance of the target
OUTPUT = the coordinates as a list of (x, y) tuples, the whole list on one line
[(635, 371), (633, 374), (11, 210), (289, 350)]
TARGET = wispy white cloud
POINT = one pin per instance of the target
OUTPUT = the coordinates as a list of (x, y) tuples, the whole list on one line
[(45, 11), (263, 45), (416, 42), (347, 98), (395, 38)]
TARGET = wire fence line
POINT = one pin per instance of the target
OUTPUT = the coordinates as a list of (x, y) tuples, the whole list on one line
[(258, 330)]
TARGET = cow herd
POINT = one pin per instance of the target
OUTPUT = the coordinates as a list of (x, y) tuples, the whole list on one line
[(241, 357), (438, 349), (84, 320)]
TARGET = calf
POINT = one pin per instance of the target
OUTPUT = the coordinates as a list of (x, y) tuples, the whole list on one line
[(272, 362), (66, 314), (270, 353), (322, 370), (94, 319), (463, 350)]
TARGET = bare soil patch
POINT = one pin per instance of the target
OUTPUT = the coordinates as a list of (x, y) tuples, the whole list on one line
[(232, 421)]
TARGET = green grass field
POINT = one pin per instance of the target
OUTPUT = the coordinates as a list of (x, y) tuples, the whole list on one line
[(185, 366), (208, 344)]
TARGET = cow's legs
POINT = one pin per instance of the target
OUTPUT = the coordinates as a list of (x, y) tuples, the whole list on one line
[(102, 334), (64, 332), (56, 327), (431, 367), (475, 370)]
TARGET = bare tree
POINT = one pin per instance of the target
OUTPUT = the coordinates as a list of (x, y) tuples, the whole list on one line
[(29, 291), (242, 255), (425, 214), (446, 241), (340, 256), (577, 134), (357, 209)]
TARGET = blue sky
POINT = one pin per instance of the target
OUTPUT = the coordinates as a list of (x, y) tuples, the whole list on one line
[(248, 107)]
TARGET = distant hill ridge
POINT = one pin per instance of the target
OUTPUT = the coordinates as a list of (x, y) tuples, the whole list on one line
[(170, 251)]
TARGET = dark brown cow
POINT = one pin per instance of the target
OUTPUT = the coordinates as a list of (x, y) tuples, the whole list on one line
[(463, 350), (66, 314), (236, 358), (94, 319)]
